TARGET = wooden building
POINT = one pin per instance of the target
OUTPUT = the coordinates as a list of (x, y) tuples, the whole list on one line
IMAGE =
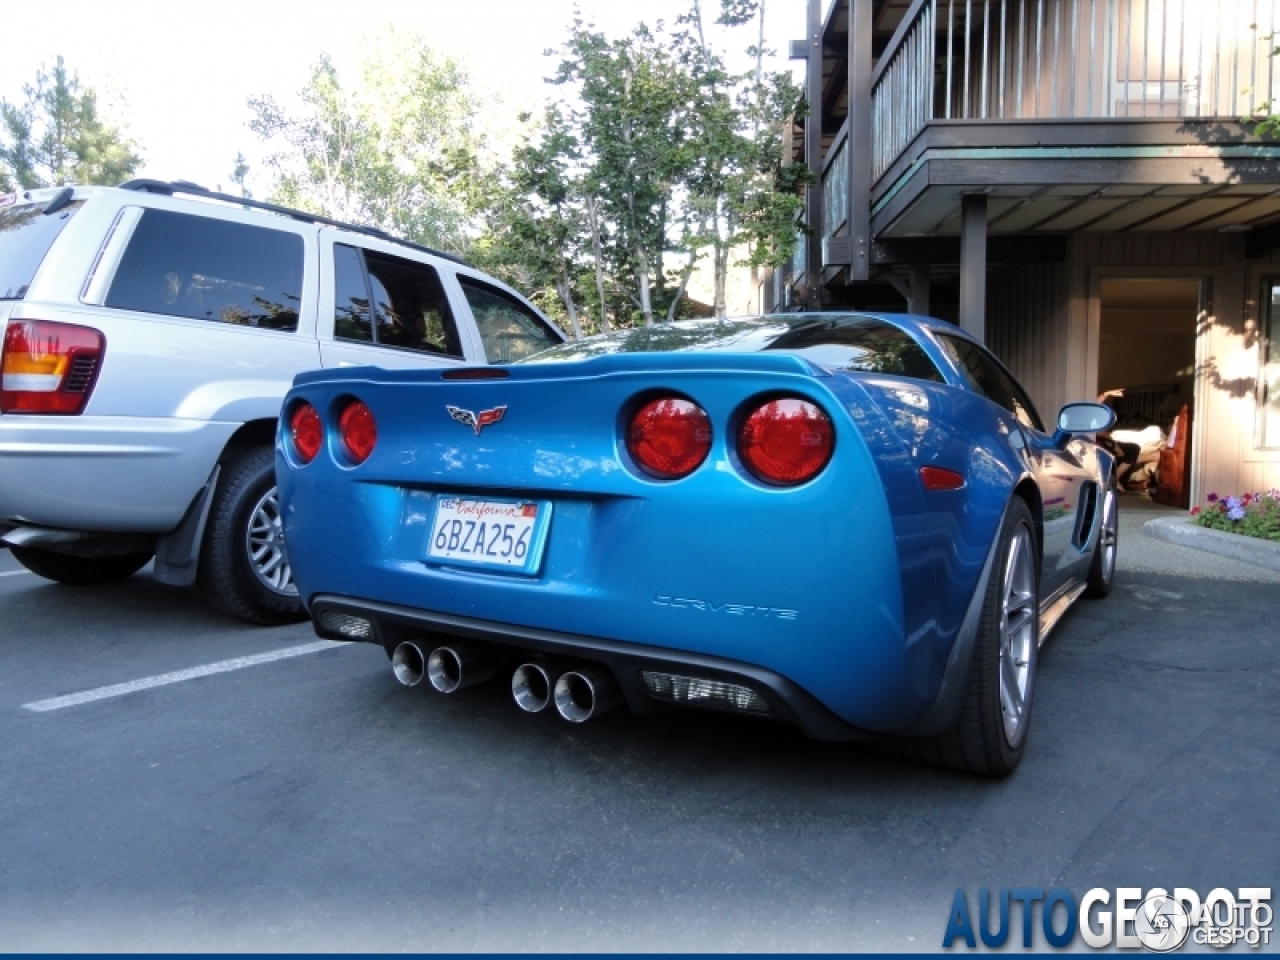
[(1068, 180)]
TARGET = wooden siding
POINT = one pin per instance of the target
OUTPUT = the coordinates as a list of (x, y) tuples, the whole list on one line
[(1027, 329), (1043, 321)]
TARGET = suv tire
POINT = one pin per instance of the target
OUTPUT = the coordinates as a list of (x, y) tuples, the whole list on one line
[(79, 571), (242, 511)]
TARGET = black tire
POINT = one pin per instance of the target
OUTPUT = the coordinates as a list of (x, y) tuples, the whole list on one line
[(227, 576), (980, 742), (1102, 570), (79, 571)]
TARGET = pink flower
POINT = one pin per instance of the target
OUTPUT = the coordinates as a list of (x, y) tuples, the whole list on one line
[(1195, 511), (1212, 498)]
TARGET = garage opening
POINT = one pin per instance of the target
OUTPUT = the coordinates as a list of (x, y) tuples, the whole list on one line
[(1146, 367)]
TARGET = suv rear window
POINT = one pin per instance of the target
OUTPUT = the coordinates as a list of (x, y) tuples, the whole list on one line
[(26, 234), (209, 269), (410, 309), (509, 331)]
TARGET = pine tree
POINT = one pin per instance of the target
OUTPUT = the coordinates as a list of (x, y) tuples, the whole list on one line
[(58, 136)]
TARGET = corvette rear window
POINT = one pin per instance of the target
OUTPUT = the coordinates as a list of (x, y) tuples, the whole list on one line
[(835, 341), (26, 234), (867, 346)]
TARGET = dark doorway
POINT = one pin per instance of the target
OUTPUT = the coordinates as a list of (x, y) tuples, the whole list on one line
[(1147, 349)]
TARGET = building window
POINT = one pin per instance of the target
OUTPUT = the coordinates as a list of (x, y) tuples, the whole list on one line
[(1269, 387)]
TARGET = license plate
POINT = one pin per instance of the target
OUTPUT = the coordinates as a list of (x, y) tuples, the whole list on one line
[(503, 534)]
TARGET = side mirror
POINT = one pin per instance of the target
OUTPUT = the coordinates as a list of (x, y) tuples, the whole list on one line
[(1077, 418)]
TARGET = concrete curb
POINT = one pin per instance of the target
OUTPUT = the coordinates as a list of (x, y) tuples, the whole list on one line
[(1180, 530)]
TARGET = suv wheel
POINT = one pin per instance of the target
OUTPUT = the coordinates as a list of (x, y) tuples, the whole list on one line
[(243, 567), (79, 571)]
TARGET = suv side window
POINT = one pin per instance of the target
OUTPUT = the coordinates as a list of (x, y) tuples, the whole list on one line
[(204, 268), (409, 306), (985, 376), (350, 296), (508, 329)]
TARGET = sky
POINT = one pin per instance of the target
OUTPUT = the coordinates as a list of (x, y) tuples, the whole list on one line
[(178, 74)]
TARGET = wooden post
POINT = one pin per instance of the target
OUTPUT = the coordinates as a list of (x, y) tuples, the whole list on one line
[(813, 157), (858, 151), (973, 264), (919, 303)]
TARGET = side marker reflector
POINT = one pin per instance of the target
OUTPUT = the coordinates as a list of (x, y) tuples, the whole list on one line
[(939, 478)]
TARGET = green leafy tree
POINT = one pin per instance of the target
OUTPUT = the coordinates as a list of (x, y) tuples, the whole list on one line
[(537, 222), (632, 115), (657, 157), (399, 149), (740, 193), (57, 135)]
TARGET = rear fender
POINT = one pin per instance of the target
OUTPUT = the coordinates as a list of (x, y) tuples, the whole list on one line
[(951, 532)]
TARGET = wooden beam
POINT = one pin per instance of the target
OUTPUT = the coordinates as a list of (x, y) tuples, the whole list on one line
[(858, 148), (918, 302), (1038, 248), (891, 278), (813, 158), (973, 265)]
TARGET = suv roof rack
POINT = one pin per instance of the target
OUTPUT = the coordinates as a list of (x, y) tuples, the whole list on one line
[(187, 188)]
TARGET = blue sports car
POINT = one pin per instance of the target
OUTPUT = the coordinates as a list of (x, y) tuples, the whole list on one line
[(854, 523)]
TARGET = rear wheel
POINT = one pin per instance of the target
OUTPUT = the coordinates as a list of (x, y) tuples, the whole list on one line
[(79, 571), (991, 732), (244, 570), (1102, 571)]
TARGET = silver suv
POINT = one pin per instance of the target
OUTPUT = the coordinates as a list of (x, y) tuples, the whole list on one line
[(150, 333)]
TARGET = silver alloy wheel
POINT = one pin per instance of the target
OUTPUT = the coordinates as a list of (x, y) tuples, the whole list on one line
[(265, 542), (1018, 617), (1109, 534)]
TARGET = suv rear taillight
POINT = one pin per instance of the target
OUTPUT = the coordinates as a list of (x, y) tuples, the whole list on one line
[(786, 441), (49, 367)]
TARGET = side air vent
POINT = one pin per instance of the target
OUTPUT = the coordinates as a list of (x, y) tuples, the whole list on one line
[(1088, 507)]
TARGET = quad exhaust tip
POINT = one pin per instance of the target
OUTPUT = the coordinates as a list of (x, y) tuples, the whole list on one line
[(586, 693), (408, 664), (456, 667), (532, 685)]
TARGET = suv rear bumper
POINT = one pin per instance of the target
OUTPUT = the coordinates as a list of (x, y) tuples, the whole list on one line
[(395, 624), (114, 474)]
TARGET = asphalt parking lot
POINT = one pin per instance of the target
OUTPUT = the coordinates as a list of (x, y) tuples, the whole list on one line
[(311, 803)]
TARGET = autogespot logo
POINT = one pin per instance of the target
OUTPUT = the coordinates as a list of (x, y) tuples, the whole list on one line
[(1155, 920)]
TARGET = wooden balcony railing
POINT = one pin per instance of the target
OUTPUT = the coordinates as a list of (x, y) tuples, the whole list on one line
[(1062, 59)]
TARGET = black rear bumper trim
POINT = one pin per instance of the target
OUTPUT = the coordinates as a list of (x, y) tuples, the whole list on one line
[(788, 702)]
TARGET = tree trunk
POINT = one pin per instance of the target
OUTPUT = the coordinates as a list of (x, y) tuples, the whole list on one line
[(595, 250), (642, 279), (684, 283), (720, 251), (571, 308)]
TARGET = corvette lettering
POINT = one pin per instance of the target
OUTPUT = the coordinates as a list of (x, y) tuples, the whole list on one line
[(477, 421), (734, 609)]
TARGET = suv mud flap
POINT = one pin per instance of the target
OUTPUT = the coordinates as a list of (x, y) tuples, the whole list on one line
[(178, 553)]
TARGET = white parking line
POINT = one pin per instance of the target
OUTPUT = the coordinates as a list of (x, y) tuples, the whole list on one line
[(164, 679), (14, 573)]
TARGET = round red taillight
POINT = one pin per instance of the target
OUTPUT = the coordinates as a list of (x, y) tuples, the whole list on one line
[(306, 431), (358, 430), (669, 437), (786, 441)]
